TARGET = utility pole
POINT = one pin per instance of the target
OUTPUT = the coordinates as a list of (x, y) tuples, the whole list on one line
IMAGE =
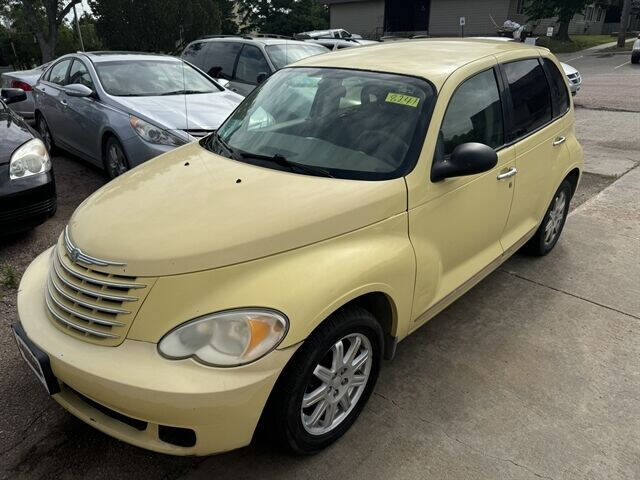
[(624, 22), (75, 15)]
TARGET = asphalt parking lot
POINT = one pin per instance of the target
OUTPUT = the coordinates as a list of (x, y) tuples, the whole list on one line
[(535, 373)]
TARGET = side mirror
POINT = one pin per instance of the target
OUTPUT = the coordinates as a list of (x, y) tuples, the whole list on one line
[(78, 90), (467, 159), (262, 76), (12, 95), (223, 82)]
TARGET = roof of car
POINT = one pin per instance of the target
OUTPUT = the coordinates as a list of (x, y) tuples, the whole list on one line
[(107, 56), (264, 39), (433, 59)]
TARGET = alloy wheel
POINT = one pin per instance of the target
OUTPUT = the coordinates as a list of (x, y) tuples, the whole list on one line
[(43, 128), (116, 161), (556, 218), (336, 384)]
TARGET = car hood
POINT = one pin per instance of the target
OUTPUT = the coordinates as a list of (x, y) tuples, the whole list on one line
[(13, 133), (191, 210), (205, 111)]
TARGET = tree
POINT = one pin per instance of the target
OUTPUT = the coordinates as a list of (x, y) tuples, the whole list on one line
[(284, 17), (159, 25), (624, 22), (44, 19), (564, 10)]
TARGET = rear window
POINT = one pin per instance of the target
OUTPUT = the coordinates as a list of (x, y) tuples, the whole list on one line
[(284, 54), (559, 92), (530, 94), (219, 59)]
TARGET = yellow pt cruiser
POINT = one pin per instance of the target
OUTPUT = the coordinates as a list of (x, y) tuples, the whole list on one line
[(260, 275)]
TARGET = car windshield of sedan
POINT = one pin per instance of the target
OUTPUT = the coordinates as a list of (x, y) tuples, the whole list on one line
[(332, 122), (152, 78), (284, 54)]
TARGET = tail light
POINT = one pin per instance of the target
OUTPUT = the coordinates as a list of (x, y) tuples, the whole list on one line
[(21, 85)]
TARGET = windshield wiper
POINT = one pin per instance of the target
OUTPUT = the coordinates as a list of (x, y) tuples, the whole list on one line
[(217, 139), (184, 92), (292, 166)]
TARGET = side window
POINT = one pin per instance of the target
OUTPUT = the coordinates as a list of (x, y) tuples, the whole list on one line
[(251, 63), (80, 74), (559, 92), (194, 53), (530, 94), (219, 58), (474, 114), (58, 73)]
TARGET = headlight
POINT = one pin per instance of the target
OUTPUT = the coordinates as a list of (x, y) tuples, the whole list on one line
[(153, 134), (30, 159), (226, 339)]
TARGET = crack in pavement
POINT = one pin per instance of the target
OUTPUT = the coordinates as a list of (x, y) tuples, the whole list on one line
[(605, 109), (559, 290), (470, 447), (23, 431)]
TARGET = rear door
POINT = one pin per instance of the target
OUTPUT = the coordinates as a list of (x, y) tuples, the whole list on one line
[(250, 66), (52, 100), (538, 131), (219, 58)]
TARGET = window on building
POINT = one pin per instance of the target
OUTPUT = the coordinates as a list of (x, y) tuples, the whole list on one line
[(520, 7), (588, 16)]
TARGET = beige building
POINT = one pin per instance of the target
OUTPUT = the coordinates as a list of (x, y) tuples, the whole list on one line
[(375, 18)]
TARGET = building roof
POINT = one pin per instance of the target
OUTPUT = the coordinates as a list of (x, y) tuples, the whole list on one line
[(433, 59)]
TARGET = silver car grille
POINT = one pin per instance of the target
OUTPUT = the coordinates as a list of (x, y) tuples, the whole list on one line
[(91, 305)]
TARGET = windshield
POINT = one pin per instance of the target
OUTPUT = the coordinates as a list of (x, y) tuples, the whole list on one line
[(152, 78), (350, 123), (284, 54)]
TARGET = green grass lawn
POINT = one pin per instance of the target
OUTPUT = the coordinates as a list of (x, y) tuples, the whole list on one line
[(578, 42)]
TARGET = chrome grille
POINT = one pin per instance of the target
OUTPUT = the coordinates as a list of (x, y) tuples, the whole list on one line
[(95, 306), (575, 78)]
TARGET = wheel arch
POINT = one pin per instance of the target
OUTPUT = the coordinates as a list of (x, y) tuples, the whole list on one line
[(573, 177)]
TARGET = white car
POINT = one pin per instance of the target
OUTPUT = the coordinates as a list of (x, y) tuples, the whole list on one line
[(635, 52), (24, 80)]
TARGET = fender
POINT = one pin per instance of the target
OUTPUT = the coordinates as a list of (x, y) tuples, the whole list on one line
[(306, 284)]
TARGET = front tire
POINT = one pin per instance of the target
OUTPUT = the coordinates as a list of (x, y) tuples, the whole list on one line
[(552, 224), (326, 384), (115, 160)]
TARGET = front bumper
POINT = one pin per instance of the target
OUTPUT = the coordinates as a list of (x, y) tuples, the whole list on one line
[(25, 203), (132, 393)]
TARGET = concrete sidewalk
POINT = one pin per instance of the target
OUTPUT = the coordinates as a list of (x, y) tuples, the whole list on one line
[(533, 374)]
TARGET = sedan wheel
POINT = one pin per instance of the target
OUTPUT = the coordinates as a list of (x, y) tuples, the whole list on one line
[(45, 133), (116, 162)]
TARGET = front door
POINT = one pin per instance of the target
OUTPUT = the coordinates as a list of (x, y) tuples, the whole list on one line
[(52, 101), (456, 232), (539, 130)]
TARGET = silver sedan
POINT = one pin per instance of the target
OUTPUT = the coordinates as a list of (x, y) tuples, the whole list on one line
[(118, 110)]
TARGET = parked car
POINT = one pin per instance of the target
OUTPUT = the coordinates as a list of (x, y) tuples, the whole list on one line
[(334, 39), (261, 274), (246, 61), (119, 109), (330, 33), (24, 80), (635, 51), (27, 186)]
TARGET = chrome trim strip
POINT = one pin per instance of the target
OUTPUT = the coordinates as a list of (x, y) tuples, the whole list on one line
[(91, 293), (83, 316), (80, 328), (95, 280), (92, 306), (78, 255)]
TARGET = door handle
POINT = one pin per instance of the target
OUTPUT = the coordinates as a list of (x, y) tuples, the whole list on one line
[(508, 174), (559, 141)]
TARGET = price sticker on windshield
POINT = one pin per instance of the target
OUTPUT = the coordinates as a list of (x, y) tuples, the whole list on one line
[(401, 99)]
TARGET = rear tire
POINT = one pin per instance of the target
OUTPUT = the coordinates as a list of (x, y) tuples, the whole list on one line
[(635, 59), (552, 224), (115, 160), (329, 379)]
